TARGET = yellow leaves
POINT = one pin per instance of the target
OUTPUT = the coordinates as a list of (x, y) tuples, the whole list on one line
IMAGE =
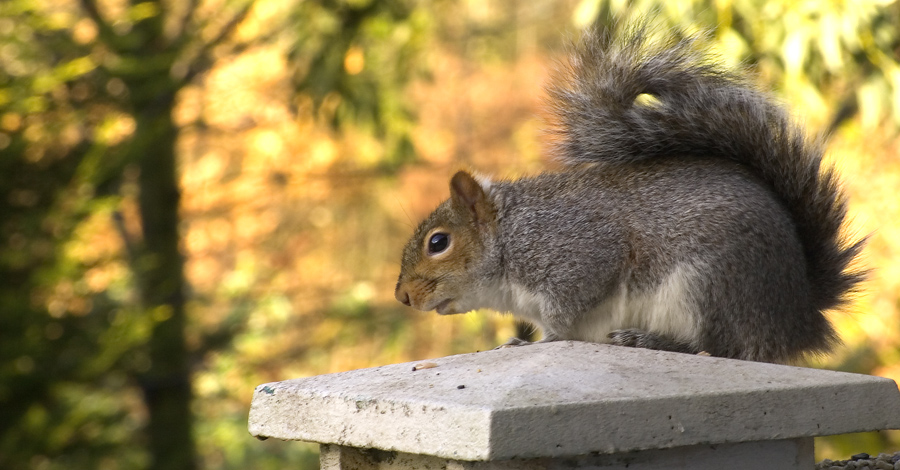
[(161, 313), (84, 31), (354, 60), (48, 81), (209, 169), (871, 103), (207, 384), (891, 371), (10, 122), (794, 50), (585, 13), (263, 14), (894, 77), (99, 278), (249, 90), (267, 143), (867, 161), (203, 271), (321, 217), (96, 244), (142, 11), (830, 44), (734, 47), (66, 301), (115, 129), (95, 240), (59, 19), (323, 152), (190, 106), (253, 226)]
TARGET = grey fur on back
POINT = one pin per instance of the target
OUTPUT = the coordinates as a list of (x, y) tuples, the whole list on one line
[(584, 236), (700, 109)]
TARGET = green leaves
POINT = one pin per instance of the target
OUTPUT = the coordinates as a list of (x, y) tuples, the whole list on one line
[(824, 57), (293, 187), (354, 60)]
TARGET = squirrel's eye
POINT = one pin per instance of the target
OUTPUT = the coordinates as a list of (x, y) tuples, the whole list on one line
[(438, 243)]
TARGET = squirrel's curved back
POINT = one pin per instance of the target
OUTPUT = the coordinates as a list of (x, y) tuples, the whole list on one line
[(632, 93)]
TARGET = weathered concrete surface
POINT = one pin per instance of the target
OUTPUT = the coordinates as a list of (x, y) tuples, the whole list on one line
[(783, 454), (567, 399)]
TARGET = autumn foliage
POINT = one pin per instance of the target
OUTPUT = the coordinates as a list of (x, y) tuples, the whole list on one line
[(310, 137)]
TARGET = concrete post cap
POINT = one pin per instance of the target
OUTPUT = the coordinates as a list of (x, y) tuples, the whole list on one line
[(569, 398)]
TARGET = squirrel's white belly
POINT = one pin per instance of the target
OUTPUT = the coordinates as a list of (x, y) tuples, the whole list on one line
[(668, 309), (511, 297)]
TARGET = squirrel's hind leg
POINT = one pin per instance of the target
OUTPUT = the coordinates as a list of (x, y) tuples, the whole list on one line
[(636, 338)]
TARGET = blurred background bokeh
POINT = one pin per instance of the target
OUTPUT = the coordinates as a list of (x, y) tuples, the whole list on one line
[(200, 196)]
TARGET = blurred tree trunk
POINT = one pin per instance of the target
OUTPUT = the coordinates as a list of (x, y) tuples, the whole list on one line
[(157, 262), (160, 269)]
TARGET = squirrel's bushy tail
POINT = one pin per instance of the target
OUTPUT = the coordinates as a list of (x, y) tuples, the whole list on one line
[(632, 94)]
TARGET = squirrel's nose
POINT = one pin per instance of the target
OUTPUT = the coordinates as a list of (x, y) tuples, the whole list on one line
[(402, 295)]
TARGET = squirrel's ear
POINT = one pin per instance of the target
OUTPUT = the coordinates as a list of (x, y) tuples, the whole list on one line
[(468, 195)]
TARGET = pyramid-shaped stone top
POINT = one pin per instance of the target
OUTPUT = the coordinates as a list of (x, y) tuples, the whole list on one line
[(570, 398)]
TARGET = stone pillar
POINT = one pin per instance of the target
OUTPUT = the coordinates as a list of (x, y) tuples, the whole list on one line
[(569, 405)]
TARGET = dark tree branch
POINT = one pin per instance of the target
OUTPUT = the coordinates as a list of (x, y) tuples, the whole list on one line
[(203, 60), (229, 27), (131, 249), (186, 18)]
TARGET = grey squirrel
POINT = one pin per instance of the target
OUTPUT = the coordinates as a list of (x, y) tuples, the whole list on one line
[(692, 214)]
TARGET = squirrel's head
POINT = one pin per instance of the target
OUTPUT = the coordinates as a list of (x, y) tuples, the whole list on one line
[(443, 262)]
